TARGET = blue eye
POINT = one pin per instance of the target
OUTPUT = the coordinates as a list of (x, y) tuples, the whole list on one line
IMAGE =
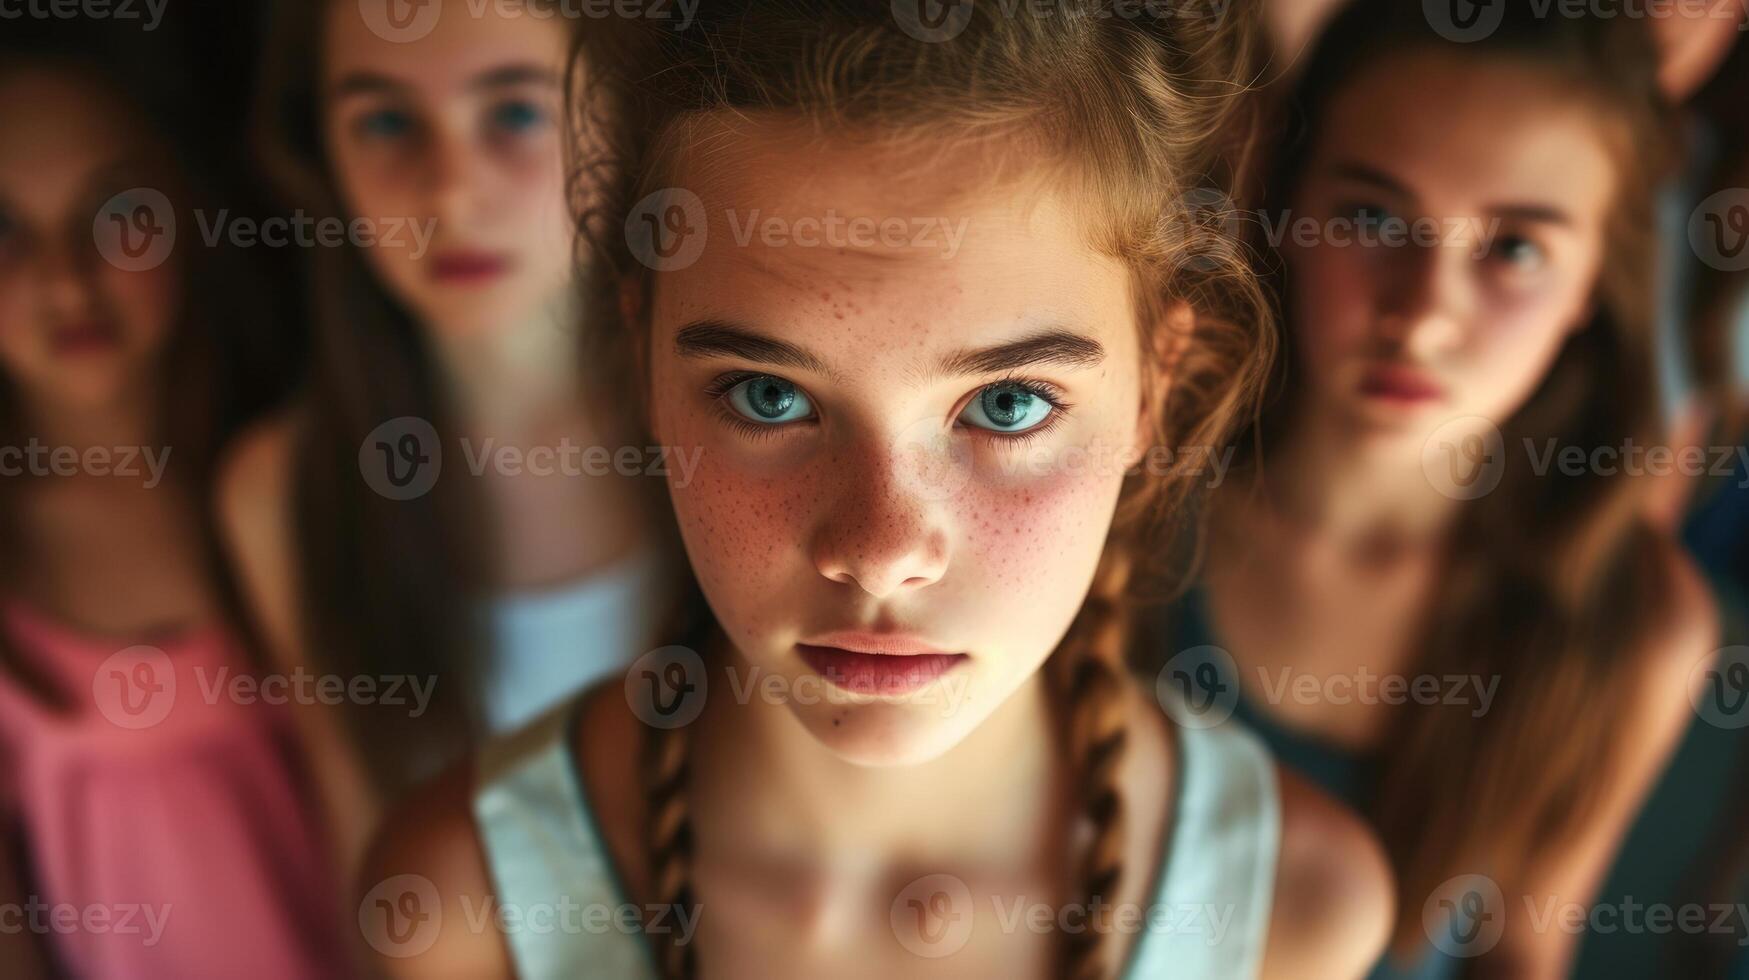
[(768, 400), (517, 117), (1369, 215), (1520, 253), (1008, 407), (385, 124)]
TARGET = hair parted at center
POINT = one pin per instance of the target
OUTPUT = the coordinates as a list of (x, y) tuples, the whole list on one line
[(1142, 115)]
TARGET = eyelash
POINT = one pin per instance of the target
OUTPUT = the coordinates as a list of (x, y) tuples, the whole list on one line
[(718, 390)]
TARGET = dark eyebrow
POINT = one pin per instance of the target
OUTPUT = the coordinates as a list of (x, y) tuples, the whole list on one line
[(717, 339), (712, 338), (370, 82), (1533, 213), (1537, 213), (1368, 175), (1051, 347)]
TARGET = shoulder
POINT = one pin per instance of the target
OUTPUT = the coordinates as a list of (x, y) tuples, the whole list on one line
[(424, 885), (1335, 895), (253, 514), (254, 472), (1682, 635)]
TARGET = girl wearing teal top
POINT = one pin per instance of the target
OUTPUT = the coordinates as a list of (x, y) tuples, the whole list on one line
[(904, 282), (1435, 584)]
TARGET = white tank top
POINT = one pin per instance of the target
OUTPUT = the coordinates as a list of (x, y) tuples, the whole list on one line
[(546, 853), (548, 645)]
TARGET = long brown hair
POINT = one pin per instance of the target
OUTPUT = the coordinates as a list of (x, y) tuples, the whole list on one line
[(1138, 109), (387, 586), (219, 366), (1551, 582)]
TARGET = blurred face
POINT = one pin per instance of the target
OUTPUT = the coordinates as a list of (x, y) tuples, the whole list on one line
[(1486, 192), (76, 329), (448, 148), (910, 448)]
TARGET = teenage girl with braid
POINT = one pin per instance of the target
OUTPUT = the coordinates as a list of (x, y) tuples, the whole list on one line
[(1397, 524), (914, 542)]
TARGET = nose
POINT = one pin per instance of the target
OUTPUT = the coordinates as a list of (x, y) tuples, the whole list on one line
[(881, 533), (1422, 300), (455, 180), (67, 279)]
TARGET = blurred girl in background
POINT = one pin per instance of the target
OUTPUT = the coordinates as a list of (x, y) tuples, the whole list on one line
[(914, 531), (377, 530), (138, 792), (1402, 518)]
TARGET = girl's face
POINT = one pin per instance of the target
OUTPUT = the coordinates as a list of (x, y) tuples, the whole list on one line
[(80, 322), (913, 397), (1483, 190), (446, 150)]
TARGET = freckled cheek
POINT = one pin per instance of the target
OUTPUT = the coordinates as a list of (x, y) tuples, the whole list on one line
[(1028, 549), (743, 526)]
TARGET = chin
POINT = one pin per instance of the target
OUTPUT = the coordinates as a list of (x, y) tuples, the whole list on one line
[(885, 734)]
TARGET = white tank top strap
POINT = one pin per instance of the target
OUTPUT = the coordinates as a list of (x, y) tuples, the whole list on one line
[(1210, 914), (548, 859), (1217, 889)]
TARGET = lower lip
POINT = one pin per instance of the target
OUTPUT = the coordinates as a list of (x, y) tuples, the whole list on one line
[(878, 673), (82, 342), (467, 269), (1398, 392)]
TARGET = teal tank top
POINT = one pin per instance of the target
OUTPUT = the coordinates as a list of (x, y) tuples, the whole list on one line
[(1346, 776), (545, 850)]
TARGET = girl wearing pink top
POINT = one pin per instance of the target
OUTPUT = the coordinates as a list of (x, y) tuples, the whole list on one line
[(154, 822)]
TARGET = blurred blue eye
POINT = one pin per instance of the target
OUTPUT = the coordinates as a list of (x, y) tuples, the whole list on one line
[(517, 117), (1369, 216), (1007, 407), (769, 400), (385, 124), (1517, 251)]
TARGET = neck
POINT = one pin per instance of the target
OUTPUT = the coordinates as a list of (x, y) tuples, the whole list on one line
[(1357, 488), (515, 376), (781, 794), (130, 419)]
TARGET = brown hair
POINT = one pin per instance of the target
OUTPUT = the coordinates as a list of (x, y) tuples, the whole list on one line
[(1552, 581), (217, 368), (1138, 109), (386, 585)]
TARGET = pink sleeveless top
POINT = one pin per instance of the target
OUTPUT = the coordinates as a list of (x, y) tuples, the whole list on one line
[(167, 828)]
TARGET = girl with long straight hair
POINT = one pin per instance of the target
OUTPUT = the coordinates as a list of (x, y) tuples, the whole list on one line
[(431, 523), (1413, 591)]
